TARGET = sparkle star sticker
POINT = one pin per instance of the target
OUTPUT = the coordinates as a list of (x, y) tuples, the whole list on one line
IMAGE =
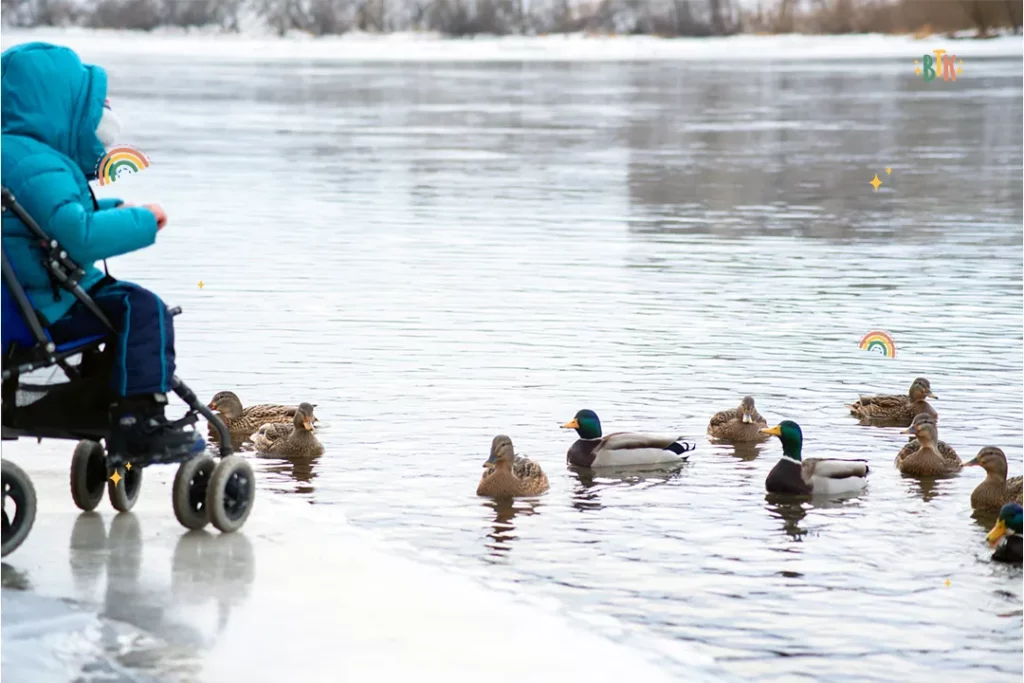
[(200, 284), (116, 478), (875, 182), (917, 70), (888, 171), (960, 67), (947, 583)]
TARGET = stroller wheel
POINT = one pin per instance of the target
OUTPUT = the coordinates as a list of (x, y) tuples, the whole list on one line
[(125, 493), (229, 497), (18, 489), (88, 474), (189, 494)]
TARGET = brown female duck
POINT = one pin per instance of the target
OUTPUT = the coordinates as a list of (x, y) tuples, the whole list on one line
[(996, 490), (298, 442), (242, 422), (926, 460), (742, 424), (896, 408), (506, 475), (944, 449)]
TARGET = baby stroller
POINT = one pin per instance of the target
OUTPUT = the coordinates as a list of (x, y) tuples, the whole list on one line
[(204, 490)]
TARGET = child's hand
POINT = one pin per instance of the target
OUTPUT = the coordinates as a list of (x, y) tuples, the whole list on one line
[(158, 211)]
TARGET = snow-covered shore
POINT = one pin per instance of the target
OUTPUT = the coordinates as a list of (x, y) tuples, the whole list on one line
[(574, 47)]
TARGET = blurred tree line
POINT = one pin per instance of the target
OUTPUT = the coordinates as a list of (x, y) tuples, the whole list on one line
[(528, 17)]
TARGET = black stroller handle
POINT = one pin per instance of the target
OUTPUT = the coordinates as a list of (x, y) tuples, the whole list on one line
[(65, 271)]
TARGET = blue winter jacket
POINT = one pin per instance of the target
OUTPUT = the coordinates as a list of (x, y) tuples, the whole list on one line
[(52, 104)]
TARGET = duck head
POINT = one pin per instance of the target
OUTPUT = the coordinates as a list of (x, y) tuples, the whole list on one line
[(502, 452), (1010, 522), (920, 389), (746, 409), (586, 424), (990, 459), (227, 404), (790, 435)]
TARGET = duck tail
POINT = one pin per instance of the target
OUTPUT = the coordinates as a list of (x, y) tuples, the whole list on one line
[(681, 447)]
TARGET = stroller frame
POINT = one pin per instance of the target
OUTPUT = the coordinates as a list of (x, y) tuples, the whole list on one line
[(204, 490)]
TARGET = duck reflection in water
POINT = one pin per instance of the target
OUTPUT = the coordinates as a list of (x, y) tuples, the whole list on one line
[(745, 451), (927, 488), (790, 510), (301, 470), (205, 566), (590, 482), (505, 510)]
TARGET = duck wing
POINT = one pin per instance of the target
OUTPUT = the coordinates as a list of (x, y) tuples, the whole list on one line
[(723, 417), (1014, 489), (524, 468), (629, 441), (834, 468)]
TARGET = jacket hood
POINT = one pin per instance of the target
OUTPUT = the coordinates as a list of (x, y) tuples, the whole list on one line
[(51, 96)]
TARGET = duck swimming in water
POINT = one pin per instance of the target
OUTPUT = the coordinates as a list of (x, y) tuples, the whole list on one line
[(507, 476), (896, 408), (1008, 526), (741, 425), (621, 449), (795, 475)]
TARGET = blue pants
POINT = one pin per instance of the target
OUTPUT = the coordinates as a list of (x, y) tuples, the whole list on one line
[(144, 357)]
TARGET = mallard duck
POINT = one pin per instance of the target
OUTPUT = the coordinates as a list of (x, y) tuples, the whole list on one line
[(620, 449), (1011, 519), (926, 459), (944, 449), (896, 408), (271, 431), (742, 424), (242, 422), (793, 474), (996, 490), (298, 442), (507, 475)]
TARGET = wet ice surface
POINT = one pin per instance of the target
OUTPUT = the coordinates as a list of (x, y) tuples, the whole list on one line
[(436, 253), (297, 595)]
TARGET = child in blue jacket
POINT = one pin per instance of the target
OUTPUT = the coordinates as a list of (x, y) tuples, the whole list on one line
[(56, 125)]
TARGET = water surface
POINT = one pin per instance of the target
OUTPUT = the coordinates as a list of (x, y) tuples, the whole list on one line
[(437, 253)]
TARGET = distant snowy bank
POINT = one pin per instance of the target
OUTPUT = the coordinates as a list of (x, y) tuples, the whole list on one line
[(567, 47)]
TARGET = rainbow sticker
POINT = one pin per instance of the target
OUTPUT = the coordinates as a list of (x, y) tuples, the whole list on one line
[(120, 161), (879, 342)]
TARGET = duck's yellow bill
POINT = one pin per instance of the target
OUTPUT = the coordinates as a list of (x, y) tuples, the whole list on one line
[(307, 424), (998, 531), (212, 406), (573, 424), (972, 462), (774, 431), (909, 430), (931, 395)]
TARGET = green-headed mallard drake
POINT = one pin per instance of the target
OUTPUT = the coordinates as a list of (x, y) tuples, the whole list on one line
[(925, 456), (793, 474), (1008, 526), (298, 442), (242, 422), (742, 424), (621, 449), (896, 408), (996, 490), (507, 475)]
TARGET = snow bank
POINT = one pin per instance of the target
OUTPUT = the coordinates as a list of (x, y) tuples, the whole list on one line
[(425, 47)]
